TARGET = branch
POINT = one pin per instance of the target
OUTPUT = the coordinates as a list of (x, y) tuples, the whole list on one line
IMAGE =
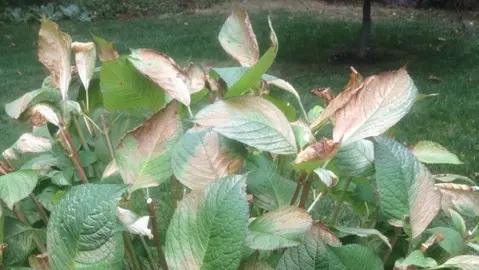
[(73, 153), (301, 178), (156, 234)]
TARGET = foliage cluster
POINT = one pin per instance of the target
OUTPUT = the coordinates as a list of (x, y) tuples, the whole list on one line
[(49, 10), (141, 164)]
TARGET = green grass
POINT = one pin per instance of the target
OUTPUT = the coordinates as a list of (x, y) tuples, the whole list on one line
[(306, 45)]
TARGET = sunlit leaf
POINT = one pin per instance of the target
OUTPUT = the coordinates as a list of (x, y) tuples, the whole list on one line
[(196, 240), (106, 50), (54, 53), (82, 230), (123, 87), (164, 72), (462, 198), (17, 107), (17, 185), (432, 152), (464, 262), (238, 39), (252, 121), (356, 159), (85, 59), (284, 227), (202, 156), (144, 154), (405, 186)]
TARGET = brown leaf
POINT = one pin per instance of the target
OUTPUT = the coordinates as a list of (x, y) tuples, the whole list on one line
[(321, 150), (164, 72), (324, 93), (238, 39), (85, 58), (106, 50), (197, 78), (323, 234), (459, 197), (54, 53)]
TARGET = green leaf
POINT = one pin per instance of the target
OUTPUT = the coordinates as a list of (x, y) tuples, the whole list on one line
[(464, 262), (363, 233), (207, 230), (453, 243), (17, 185), (458, 221), (252, 121), (63, 178), (46, 197), (144, 154), (353, 256), (356, 159), (253, 75), (315, 112), (416, 258), (405, 186), (434, 153), (302, 134), (288, 110), (202, 156), (238, 39), (448, 177), (19, 239), (327, 177), (125, 88), (423, 96), (106, 50), (284, 227), (15, 108), (81, 232), (270, 189)]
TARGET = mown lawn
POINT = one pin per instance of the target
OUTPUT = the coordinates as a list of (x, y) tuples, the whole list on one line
[(307, 43)]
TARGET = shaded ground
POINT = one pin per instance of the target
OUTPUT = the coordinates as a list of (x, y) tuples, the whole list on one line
[(310, 34)]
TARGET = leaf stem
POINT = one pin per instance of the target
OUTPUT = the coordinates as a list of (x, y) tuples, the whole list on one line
[(39, 208), (131, 253), (151, 261), (106, 133), (73, 153), (156, 234), (339, 204), (305, 192), (299, 184), (21, 217), (311, 207)]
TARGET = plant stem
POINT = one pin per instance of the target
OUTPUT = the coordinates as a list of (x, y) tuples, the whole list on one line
[(81, 136), (21, 217), (129, 248), (393, 241), (156, 234), (39, 207), (73, 153), (339, 204), (311, 207), (299, 184), (148, 253), (106, 133), (305, 193)]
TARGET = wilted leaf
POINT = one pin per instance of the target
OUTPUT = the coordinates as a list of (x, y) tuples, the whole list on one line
[(41, 113), (85, 58), (464, 262), (434, 153), (327, 177), (270, 189), (196, 240), (462, 198), (252, 121), (202, 156), (356, 159), (405, 186), (134, 223), (363, 233), (27, 143), (284, 227), (164, 72), (17, 185), (197, 78), (106, 50), (54, 53), (324, 93), (15, 108), (238, 39), (82, 229), (144, 154), (319, 151), (123, 87)]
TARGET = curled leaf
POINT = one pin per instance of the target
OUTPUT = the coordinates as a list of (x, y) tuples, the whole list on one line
[(133, 223), (106, 50), (324, 93), (322, 150), (461, 198), (41, 113), (54, 53), (85, 58)]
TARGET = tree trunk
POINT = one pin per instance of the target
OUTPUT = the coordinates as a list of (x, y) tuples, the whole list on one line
[(365, 30)]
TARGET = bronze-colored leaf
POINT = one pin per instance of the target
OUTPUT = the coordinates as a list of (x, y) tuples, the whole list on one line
[(85, 58), (54, 53), (164, 72), (321, 150), (106, 50), (462, 198), (324, 93)]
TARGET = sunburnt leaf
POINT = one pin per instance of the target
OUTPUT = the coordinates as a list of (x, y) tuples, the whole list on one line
[(164, 72), (406, 188), (106, 50), (238, 39), (54, 53), (27, 143), (462, 198), (284, 227), (434, 153), (144, 154), (208, 228), (85, 60), (252, 121), (17, 185), (202, 156)]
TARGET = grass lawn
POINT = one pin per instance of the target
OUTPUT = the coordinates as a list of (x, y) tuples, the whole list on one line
[(307, 42)]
